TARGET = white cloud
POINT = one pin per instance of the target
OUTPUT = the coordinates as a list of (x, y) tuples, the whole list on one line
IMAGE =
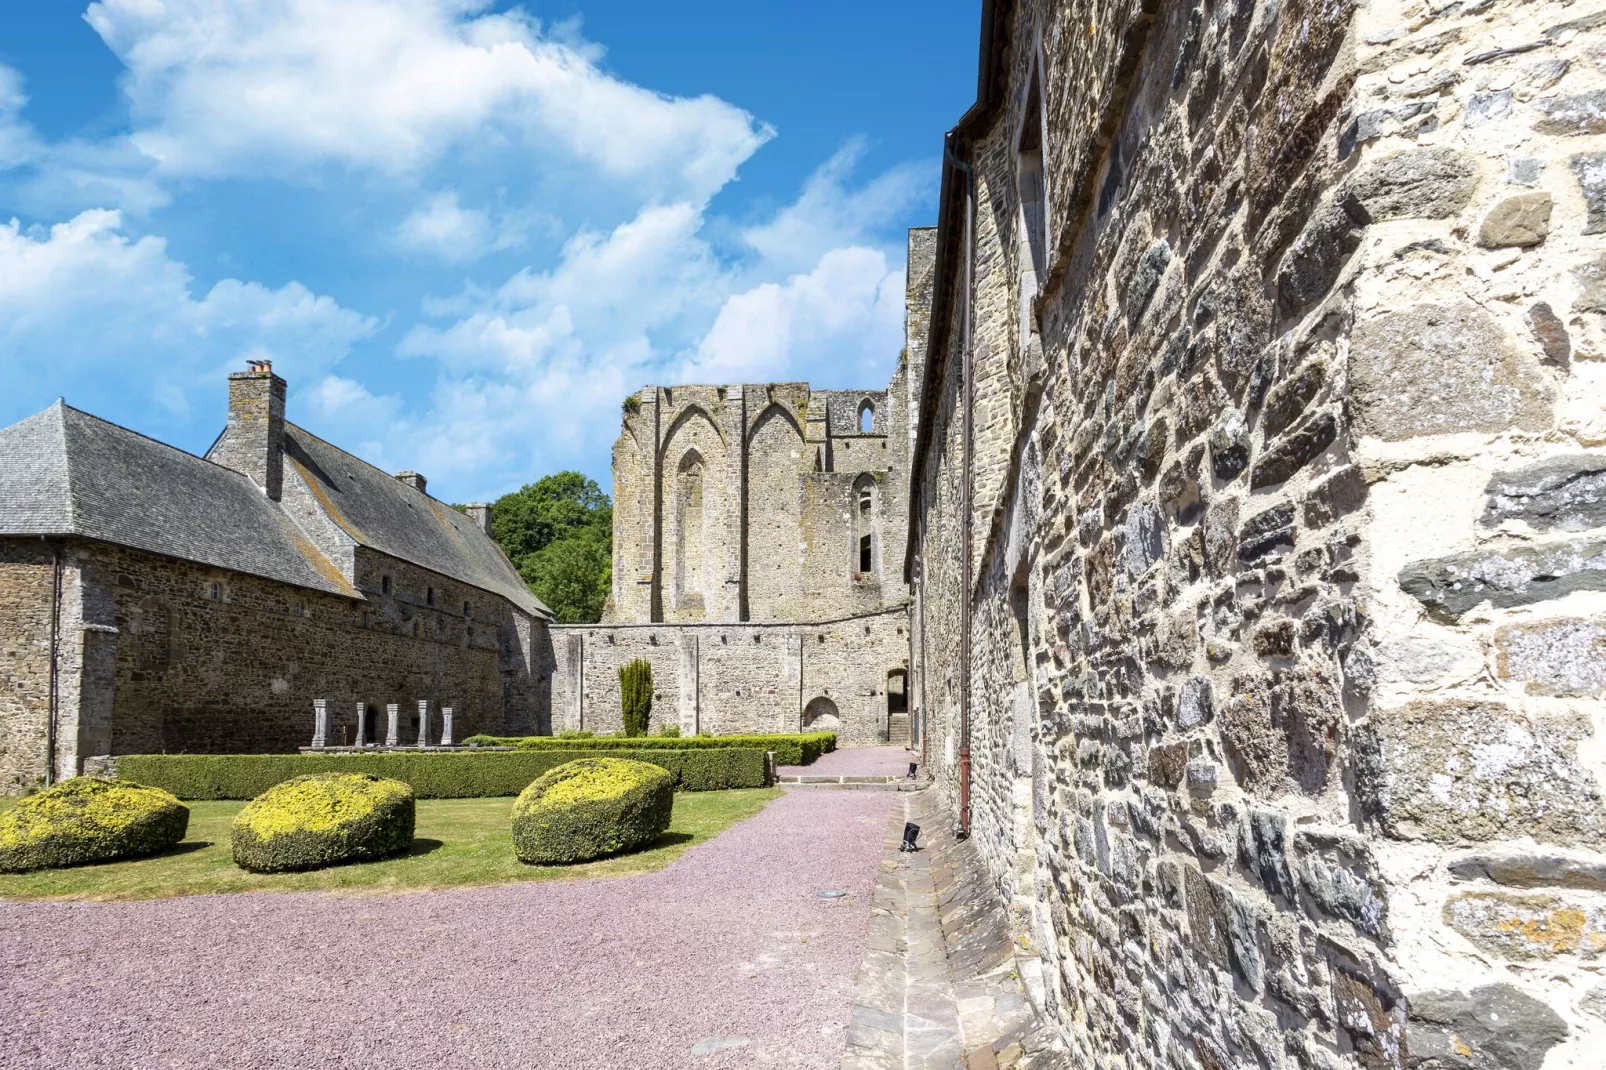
[(18, 144), (831, 213), (444, 229), (278, 85), (840, 324), (86, 304)]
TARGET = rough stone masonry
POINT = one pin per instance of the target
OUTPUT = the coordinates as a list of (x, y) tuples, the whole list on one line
[(1258, 525)]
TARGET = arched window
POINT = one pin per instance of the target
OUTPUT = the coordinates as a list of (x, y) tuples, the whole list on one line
[(864, 524), (689, 531), (866, 417)]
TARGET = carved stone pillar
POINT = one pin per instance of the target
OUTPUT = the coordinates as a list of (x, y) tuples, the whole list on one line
[(320, 722), (361, 740), (446, 726), (393, 728), (423, 722)]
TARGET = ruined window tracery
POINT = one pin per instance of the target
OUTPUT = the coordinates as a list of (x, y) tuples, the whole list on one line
[(866, 417), (864, 525), (689, 536)]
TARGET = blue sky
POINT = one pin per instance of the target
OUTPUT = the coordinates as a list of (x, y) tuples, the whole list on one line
[(463, 230)]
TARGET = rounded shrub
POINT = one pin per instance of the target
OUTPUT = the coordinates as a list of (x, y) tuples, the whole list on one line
[(590, 808), (89, 819), (309, 822)]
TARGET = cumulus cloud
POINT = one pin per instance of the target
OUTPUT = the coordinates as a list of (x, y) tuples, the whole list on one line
[(273, 86), (840, 324), (84, 303), (18, 144)]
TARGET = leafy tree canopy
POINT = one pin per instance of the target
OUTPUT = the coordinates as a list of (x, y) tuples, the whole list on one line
[(558, 532)]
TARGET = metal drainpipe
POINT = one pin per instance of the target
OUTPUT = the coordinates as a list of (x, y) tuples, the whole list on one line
[(965, 500), (53, 712)]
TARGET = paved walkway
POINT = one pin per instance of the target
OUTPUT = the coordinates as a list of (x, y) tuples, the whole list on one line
[(727, 959), (938, 988), (856, 761)]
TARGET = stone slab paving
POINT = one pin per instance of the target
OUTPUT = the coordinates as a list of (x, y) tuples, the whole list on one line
[(938, 987), (726, 960)]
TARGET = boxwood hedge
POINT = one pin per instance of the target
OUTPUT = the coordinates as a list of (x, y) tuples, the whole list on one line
[(309, 822), (591, 808), (793, 748), (89, 819), (453, 775)]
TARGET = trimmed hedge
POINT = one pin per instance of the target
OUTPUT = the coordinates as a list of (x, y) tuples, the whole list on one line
[(309, 822), (591, 808), (456, 775), (795, 748), (89, 819)]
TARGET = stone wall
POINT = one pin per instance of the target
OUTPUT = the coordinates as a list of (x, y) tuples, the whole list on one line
[(748, 502), (736, 678), (1285, 600), (159, 655)]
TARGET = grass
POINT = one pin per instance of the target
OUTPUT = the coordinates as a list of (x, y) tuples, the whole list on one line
[(457, 842)]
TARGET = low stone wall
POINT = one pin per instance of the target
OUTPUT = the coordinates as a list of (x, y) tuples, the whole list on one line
[(736, 678)]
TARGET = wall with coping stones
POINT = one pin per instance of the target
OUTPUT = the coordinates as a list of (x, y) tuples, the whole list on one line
[(148, 663), (734, 678), (1288, 587)]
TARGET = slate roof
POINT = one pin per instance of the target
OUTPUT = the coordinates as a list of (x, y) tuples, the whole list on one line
[(381, 512), (65, 472)]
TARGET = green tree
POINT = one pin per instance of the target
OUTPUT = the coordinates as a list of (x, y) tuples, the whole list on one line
[(572, 575), (540, 513), (635, 696), (558, 532)]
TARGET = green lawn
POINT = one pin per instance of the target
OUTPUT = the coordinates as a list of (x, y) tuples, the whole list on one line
[(457, 842)]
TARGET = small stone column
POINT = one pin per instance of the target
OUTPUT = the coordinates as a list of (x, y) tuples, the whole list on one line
[(423, 723), (361, 709), (446, 726), (320, 722), (393, 729)]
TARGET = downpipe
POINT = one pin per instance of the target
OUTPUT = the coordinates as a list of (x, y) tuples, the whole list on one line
[(966, 408)]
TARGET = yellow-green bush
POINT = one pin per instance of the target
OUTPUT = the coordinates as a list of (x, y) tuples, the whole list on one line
[(322, 820), (590, 808), (89, 819)]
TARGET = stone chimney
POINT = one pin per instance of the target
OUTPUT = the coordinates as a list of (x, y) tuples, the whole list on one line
[(253, 442), (414, 480), (480, 513)]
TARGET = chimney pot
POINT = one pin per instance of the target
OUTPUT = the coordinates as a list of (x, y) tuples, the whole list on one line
[(480, 513), (414, 480)]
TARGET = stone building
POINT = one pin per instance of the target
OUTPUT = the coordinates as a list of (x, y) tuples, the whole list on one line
[(153, 601), (1256, 534), (759, 538)]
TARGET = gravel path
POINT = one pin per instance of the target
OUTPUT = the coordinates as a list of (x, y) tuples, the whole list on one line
[(732, 941), (856, 761)]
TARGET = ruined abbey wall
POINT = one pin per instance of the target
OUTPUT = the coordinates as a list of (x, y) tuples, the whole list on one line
[(1282, 486), (750, 503)]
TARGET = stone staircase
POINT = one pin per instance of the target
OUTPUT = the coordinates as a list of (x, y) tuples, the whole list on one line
[(898, 730)]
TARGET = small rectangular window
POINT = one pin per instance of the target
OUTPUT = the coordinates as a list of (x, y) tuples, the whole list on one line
[(429, 595), (215, 592), (384, 585), (864, 553)]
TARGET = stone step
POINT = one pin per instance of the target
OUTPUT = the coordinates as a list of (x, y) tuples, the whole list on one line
[(898, 730)]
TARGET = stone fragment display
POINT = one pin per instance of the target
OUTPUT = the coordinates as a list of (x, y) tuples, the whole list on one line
[(1458, 770), (1517, 221), (1527, 928), (1429, 183), (1494, 1027), (1522, 575), (1557, 494), (1436, 369), (1564, 658)]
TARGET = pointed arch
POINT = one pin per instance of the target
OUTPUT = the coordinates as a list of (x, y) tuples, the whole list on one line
[(773, 411), (773, 527), (687, 415)]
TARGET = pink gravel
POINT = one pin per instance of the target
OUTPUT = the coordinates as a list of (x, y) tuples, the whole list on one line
[(732, 941), (856, 761)]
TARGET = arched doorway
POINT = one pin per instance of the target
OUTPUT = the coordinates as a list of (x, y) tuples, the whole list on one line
[(898, 708), (820, 715)]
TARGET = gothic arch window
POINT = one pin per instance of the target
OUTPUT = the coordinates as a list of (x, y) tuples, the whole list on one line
[(865, 513), (689, 536), (866, 417)]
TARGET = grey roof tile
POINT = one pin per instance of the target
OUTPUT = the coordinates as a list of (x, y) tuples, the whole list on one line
[(65, 472), (381, 512)]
